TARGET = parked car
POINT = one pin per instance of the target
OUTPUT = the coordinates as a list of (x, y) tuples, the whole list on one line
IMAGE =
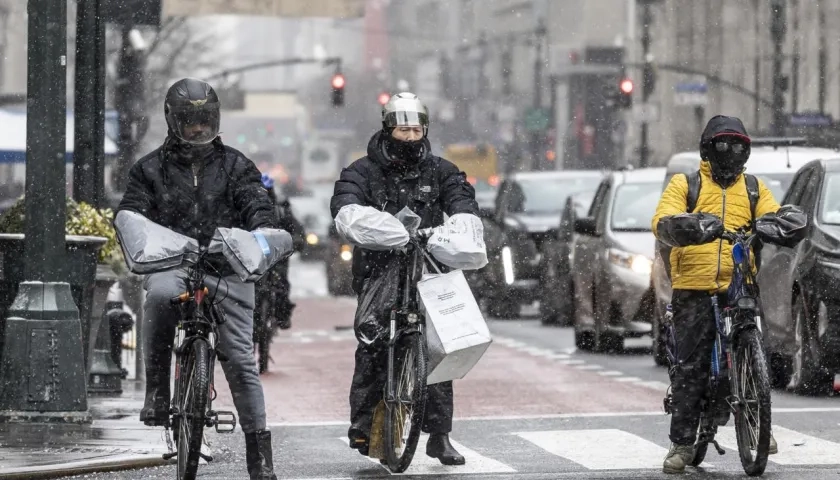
[(527, 214), (613, 257), (556, 292), (339, 260), (800, 287), (774, 161)]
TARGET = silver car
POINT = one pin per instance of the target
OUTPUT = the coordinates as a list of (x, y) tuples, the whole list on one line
[(613, 257)]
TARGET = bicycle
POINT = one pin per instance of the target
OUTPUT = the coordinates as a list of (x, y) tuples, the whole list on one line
[(405, 388), (738, 330), (196, 343)]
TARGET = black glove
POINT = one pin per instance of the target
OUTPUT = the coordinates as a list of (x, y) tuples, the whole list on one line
[(786, 227), (687, 229)]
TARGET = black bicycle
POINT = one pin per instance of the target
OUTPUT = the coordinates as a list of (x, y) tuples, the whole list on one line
[(196, 351), (405, 387), (739, 379)]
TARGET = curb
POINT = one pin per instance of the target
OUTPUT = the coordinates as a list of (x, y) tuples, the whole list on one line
[(95, 465)]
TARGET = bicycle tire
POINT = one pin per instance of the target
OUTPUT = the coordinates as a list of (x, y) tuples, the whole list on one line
[(753, 380), (264, 337), (411, 349), (195, 383)]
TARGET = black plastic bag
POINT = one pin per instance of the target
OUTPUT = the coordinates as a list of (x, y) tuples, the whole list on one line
[(379, 296)]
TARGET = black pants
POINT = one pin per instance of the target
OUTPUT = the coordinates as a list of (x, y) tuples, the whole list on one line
[(694, 325)]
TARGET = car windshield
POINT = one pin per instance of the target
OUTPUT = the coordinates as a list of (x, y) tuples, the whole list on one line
[(634, 205), (830, 208), (778, 183), (546, 195)]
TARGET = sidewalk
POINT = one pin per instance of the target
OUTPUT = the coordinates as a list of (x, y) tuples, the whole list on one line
[(116, 440)]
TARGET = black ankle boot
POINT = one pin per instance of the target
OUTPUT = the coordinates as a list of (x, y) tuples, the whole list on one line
[(155, 412), (440, 448), (258, 455)]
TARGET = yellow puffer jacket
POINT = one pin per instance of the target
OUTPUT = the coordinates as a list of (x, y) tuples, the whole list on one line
[(709, 267)]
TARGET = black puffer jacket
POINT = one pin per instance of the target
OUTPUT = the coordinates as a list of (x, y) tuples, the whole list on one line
[(193, 198), (430, 188)]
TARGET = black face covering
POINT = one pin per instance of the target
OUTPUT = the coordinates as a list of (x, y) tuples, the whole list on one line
[(405, 152), (189, 152), (726, 167)]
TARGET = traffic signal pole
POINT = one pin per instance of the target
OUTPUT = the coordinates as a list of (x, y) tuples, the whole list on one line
[(647, 19)]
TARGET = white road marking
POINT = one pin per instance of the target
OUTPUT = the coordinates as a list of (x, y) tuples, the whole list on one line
[(588, 367), (610, 373), (422, 464), (794, 448), (628, 379), (601, 449)]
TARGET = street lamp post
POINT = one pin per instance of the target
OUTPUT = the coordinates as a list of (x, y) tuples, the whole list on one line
[(42, 375)]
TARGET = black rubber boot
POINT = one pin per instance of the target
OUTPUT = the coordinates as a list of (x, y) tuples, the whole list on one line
[(258, 455), (440, 448), (155, 412)]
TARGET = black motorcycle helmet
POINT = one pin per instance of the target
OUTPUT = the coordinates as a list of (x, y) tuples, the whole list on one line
[(192, 111), (725, 144)]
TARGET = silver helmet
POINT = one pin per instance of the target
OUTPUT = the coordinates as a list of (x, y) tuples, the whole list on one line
[(405, 110)]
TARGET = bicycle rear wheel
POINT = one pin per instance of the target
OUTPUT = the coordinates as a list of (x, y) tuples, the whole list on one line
[(404, 418), (752, 419), (194, 384)]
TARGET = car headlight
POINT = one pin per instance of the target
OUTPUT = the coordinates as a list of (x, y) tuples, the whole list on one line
[(346, 253), (312, 239), (637, 263), (507, 264)]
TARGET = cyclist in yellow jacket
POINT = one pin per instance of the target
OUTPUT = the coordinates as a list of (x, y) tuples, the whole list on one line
[(701, 266)]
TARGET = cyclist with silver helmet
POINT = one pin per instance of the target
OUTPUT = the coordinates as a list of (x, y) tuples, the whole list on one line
[(193, 184), (399, 171)]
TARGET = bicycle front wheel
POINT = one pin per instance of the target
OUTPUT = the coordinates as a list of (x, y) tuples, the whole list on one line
[(752, 419), (404, 416), (194, 385)]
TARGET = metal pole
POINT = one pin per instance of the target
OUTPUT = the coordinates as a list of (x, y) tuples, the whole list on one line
[(778, 29), (88, 181), (757, 65), (647, 19), (122, 100), (539, 33), (794, 100), (822, 58)]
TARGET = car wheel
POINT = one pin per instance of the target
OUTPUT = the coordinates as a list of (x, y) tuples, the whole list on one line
[(606, 341), (808, 377), (660, 343), (566, 312), (585, 340)]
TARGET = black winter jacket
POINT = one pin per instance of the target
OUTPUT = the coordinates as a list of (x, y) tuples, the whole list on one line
[(194, 198), (430, 188)]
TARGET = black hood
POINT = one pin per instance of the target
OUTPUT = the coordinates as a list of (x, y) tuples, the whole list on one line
[(376, 151)]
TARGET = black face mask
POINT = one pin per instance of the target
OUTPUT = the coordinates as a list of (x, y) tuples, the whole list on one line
[(405, 152), (188, 151), (726, 167)]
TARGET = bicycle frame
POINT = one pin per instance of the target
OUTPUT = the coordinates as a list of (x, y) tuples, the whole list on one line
[(405, 318)]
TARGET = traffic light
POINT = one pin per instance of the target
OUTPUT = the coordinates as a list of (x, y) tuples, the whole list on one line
[(625, 93), (338, 83), (383, 98)]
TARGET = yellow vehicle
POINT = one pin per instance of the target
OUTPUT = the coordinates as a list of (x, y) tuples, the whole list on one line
[(480, 163)]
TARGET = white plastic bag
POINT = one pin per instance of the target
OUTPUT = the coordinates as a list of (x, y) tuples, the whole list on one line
[(370, 228), (252, 254), (459, 243), (149, 247)]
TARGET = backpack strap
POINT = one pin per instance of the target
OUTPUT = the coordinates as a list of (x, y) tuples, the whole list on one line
[(752, 192), (694, 184)]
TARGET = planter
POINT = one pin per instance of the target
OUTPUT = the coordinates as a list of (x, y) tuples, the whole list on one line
[(78, 269)]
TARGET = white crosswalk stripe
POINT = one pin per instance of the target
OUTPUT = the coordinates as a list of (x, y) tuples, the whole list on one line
[(794, 448), (425, 465), (597, 449)]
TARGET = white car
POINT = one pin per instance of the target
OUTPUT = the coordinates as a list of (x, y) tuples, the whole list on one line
[(774, 160)]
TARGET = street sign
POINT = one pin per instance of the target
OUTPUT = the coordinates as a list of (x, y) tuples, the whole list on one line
[(691, 94), (646, 112), (537, 119), (275, 8)]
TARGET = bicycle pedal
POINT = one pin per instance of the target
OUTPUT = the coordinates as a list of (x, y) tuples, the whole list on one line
[(719, 449), (227, 420), (667, 404), (170, 455), (205, 457)]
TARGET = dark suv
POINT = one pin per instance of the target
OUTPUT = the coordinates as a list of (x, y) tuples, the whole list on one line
[(800, 287), (528, 209)]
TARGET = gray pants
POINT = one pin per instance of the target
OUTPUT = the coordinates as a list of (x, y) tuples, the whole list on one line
[(235, 339)]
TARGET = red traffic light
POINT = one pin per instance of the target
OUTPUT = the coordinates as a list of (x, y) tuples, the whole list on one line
[(383, 98), (338, 81), (626, 86)]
